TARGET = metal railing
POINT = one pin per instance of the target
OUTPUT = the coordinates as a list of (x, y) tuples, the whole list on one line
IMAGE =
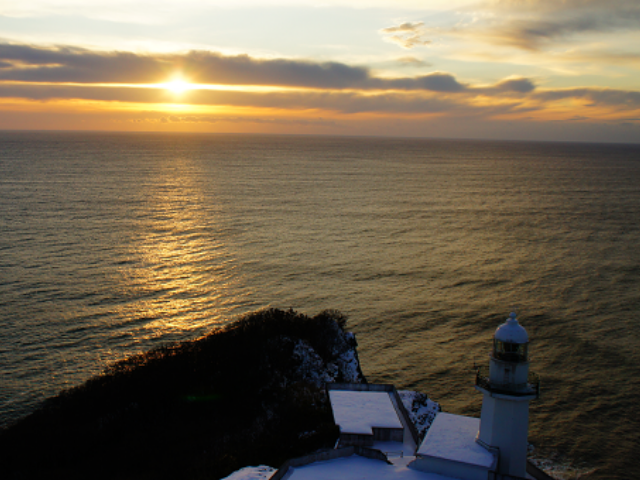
[(531, 387)]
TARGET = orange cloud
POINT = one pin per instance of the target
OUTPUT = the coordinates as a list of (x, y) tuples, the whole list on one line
[(116, 90)]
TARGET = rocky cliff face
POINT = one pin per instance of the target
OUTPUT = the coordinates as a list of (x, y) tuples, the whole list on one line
[(422, 410), (340, 366)]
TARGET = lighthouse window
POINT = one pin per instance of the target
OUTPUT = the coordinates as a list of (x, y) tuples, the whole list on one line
[(510, 352)]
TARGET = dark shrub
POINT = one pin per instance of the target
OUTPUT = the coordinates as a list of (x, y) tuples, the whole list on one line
[(200, 409)]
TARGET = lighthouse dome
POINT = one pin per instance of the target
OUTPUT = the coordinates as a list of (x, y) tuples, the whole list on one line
[(511, 331), (511, 342)]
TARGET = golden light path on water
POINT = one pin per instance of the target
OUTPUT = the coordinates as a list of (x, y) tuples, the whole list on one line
[(185, 282)]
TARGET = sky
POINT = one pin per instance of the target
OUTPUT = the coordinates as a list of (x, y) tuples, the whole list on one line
[(559, 70)]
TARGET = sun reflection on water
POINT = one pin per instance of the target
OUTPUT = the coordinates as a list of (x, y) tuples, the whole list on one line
[(183, 277)]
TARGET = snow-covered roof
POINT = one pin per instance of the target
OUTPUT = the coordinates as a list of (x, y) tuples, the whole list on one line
[(358, 412), (262, 472), (357, 468), (511, 331), (453, 437)]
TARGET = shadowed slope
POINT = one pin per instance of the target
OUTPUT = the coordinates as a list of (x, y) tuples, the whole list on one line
[(248, 394)]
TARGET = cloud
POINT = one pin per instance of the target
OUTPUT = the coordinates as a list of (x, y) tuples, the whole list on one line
[(240, 119), (349, 102), (533, 24), (602, 56), (411, 61), (74, 65), (404, 28), (534, 34), (69, 64), (106, 94), (117, 9), (436, 82), (243, 69), (597, 96), (344, 102), (519, 85), (408, 35), (330, 88), (64, 64)]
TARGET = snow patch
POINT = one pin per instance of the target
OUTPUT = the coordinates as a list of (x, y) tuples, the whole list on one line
[(453, 437), (342, 367), (252, 473), (358, 468), (350, 367), (422, 410), (311, 367), (359, 412)]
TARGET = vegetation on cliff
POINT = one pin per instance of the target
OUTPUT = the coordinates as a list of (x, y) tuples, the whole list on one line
[(251, 393)]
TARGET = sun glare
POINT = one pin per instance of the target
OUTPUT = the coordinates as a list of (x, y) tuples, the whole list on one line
[(178, 86)]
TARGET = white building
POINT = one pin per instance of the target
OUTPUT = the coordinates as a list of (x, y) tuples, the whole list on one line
[(507, 391), (364, 417), (450, 449), (493, 447)]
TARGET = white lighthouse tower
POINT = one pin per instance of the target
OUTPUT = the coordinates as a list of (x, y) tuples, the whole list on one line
[(507, 387)]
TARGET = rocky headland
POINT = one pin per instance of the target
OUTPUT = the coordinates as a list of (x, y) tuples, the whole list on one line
[(251, 393)]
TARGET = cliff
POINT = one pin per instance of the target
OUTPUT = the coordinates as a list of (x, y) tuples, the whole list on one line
[(250, 393)]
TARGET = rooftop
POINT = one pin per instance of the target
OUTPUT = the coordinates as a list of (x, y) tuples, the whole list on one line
[(511, 331), (453, 437), (356, 467), (358, 412)]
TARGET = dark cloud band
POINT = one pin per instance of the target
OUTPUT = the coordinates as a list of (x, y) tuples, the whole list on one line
[(31, 72), (345, 102), (65, 65)]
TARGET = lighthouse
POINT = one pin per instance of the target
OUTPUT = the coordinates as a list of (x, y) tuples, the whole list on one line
[(507, 387)]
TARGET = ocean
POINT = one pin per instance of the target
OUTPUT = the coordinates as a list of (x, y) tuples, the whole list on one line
[(114, 243)]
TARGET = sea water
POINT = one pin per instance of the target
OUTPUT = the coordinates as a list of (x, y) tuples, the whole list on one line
[(113, 243)]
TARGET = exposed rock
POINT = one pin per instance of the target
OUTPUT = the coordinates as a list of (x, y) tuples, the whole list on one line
[(422, 410)]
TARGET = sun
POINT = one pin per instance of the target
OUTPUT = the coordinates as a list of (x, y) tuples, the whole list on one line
[(178, 86)]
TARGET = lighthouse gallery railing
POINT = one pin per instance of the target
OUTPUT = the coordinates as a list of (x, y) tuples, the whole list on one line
[(531, 387)]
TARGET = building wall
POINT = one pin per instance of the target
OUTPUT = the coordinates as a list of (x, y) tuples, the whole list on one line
[(286, 469), (388, 434), (504, 424), (449, 468), (359, 440), (379, 435)]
